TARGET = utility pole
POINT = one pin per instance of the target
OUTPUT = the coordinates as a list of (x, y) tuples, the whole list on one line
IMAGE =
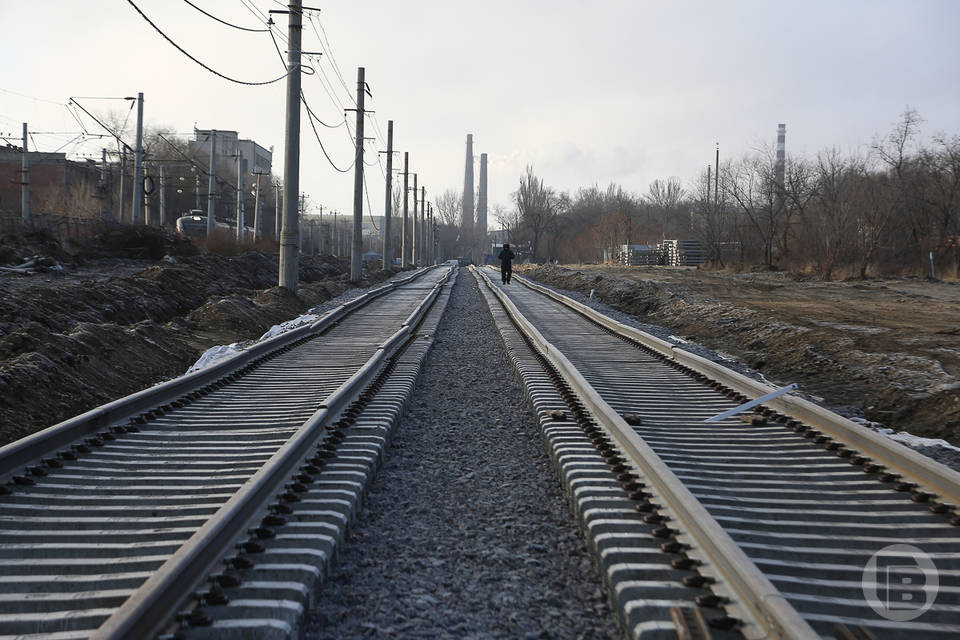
[(25, 182), (336, 239), (387, 247), (257, 214), (433, 237), (138, 163), (319, 230), (708, 184), (211, 187), (290, 234), (147, 220), (276, 222), (716, 180), (103, 184), (163, 197), (415, 255), (302, 218), (123, 179), (404, 243), (426, 234), (423, 226), (239, 200), (356, 253)]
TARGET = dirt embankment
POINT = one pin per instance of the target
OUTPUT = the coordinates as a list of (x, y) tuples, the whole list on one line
[(109, 321), (887, 348)]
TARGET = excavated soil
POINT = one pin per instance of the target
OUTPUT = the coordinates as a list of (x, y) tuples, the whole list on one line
[(887, 350), (110, 318)]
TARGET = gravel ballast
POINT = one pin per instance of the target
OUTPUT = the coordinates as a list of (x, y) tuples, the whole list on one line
[(466, 532)]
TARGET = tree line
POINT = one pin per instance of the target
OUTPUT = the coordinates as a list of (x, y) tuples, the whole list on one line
[(882, 210)]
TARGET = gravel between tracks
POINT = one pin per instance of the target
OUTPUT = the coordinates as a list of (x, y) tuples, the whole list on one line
[(466, 532)]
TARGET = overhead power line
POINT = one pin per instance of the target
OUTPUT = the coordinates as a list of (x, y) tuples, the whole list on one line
[(303, 97), (208, 68), (229, 24), (320, 142), (113, 133), (333, 61), (369, 206), (311, 116), (23, 95)]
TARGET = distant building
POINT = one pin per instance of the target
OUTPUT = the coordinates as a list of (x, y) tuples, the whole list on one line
[(498, 236), (253, 157), (57, 185)]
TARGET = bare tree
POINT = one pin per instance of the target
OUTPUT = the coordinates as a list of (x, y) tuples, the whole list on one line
[(799, 187), (879, 211), (751, 186), (709, 219), (943, 164), (832, 224), (894, 151), (666, 194), (396, 197), (449, 205), (537, 206)]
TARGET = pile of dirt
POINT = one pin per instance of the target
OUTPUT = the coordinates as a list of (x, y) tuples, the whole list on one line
[(15, 249), (886, 350), (73, 340), (114, 242), (148, 243)]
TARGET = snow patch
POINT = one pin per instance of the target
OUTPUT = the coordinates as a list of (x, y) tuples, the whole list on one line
[(215, 354), (912, 441), (219, 352), (289, 325), (677, 340), (916, 441)]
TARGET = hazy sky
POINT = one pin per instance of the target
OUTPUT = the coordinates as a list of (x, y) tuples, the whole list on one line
[(586, 92)]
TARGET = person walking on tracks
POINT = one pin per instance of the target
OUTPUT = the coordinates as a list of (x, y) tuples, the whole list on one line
[(506, 263)]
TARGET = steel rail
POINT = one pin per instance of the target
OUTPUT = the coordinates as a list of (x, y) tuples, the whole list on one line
[(934, 477), (21, 452), (763, 609), (154, 604)]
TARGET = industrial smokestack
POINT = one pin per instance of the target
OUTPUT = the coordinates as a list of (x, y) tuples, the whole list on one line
[(468, 187), (781, 155), (482, 203)]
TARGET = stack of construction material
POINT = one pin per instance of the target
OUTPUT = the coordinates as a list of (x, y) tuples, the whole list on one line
[(678, 253), (639, 254)]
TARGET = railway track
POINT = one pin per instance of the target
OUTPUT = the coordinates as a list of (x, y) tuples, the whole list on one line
[(210, 504), (787, 522)]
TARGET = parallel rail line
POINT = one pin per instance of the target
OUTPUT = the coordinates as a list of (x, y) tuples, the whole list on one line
[(112, 520), (773, 521), (223, 494)]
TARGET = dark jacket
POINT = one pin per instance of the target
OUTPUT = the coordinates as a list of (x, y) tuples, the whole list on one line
[(505, 256)]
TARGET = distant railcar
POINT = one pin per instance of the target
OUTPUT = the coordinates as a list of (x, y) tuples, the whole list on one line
[(194, 227)]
